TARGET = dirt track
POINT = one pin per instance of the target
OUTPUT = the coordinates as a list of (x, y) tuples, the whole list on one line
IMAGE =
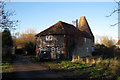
[(24, 68)]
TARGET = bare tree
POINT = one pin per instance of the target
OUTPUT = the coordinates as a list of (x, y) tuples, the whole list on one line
[(117, 10), (5, 18)]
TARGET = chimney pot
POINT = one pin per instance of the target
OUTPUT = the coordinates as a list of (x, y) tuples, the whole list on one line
[(76, 23)]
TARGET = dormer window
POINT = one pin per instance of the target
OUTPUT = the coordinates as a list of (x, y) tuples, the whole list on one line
[(49, 38)]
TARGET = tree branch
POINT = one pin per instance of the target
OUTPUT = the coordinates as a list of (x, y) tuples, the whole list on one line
[(117, 2), (112, 13), (115, 24)]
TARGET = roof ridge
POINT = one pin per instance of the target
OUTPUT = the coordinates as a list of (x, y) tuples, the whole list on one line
[(62, 25), (67, 23)]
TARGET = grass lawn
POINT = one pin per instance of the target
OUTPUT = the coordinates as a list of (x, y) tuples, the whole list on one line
[(7, 65), (106, 69)]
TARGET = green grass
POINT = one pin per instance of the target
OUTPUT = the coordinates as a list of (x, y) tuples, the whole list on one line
[(6, 65), (107, 69)]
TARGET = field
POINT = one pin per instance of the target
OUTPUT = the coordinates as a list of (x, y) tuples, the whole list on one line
[(88, 67)]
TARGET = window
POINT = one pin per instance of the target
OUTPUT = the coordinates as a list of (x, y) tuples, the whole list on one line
[(87, 50), (49, 38), (90, 35), (85, 40), (93, 49), (52, 49), (64, 35), (40, 49), (58, 49)]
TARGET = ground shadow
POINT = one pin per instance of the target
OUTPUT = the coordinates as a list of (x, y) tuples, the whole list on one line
[(40, 75)]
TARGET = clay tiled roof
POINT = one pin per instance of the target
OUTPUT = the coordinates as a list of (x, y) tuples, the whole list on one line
[(54, 29), (63, 28), (84, 26), (118, 43)]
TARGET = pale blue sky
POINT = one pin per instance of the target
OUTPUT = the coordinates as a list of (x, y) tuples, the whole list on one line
[(41, 15)]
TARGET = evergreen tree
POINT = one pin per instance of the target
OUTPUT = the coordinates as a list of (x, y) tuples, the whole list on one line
[(7, 38)]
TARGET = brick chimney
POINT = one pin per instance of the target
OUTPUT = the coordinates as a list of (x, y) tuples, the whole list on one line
[(76, 23)]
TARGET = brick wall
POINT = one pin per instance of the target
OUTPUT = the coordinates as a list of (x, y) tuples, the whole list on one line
[(69, 46), (55, 45), (83, 47)]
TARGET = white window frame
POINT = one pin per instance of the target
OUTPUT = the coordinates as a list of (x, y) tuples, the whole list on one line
[(49, 38), (41, 49), (52, 49)]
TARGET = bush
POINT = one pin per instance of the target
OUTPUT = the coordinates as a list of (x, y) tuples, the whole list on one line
[(106, 52), (29, 48)]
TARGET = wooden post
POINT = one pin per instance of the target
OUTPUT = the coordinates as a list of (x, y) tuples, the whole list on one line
[(93, 62), (87, 60), (73, 59), (78, 58)]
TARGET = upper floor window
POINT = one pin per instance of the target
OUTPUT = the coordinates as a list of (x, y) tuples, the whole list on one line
[(85, 40), (49, 38)]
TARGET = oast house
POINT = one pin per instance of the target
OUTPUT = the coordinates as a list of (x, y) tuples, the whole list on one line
[(66, 39)]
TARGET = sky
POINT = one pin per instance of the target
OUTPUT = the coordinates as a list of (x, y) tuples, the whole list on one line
[(41, 15), (62, 0)]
